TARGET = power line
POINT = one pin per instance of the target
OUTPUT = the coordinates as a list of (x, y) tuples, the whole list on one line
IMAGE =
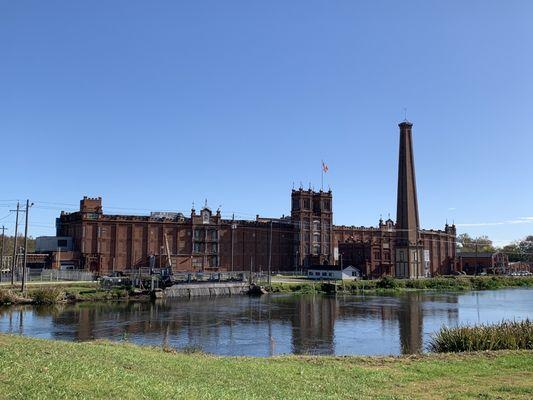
[(8, 215)]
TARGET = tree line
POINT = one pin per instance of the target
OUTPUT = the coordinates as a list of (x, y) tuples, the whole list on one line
[(521, 250), (10, 240)]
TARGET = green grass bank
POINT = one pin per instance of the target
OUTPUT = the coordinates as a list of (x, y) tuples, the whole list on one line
[(39, 369), (63, 292), (58, 293), (388, 285)]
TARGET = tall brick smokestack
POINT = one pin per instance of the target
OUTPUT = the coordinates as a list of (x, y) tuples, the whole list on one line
[(407, 204), (408, 255)]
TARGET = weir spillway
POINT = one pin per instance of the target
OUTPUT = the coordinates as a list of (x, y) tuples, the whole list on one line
[(211, 289)]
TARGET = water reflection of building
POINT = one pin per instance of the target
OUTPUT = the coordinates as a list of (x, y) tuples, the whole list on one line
[(313, 325), (268, 325)]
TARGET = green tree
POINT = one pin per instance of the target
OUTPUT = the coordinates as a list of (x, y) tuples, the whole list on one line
[(9, 241), (513, 252), (526, 248), (521, 250), (469, 244)]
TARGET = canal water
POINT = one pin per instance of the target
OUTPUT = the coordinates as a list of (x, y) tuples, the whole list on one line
[(274, 324)]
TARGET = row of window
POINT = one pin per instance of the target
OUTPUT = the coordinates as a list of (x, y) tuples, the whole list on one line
[(311, 273), (205, 234), (305, 204), (209, 248), (315, 249), (386, 255)]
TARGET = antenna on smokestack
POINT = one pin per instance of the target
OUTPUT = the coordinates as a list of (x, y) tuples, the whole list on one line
[(405, 113)]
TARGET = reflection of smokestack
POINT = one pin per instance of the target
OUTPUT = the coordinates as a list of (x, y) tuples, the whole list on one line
[(410, 319)]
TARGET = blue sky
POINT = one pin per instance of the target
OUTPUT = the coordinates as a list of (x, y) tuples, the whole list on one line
[(154, 105)]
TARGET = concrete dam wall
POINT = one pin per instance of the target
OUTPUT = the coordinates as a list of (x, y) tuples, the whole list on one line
[(187, 290)]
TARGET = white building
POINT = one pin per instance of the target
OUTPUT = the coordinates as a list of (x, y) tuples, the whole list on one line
[(334, 272)]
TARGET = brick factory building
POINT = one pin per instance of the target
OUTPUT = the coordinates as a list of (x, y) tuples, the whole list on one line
[(204, 241)]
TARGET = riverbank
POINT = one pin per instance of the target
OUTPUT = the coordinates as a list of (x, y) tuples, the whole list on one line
[(61, 292), (35, 368), (390, 285)]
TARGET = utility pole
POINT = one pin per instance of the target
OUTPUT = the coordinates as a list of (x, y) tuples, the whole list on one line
[(477, 262), (2, 249), (14, 261), (270, 257), (25, 245)]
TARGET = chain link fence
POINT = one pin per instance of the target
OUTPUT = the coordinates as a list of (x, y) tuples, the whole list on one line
[(48, 275)]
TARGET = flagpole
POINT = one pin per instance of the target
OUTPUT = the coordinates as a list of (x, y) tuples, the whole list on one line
[(322, 177)]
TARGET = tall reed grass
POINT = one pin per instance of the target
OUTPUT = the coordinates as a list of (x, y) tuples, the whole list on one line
[(47, 295), (506, 335), (11, 297)]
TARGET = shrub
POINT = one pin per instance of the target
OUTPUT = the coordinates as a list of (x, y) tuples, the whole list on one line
[(416, 284), (119, 294), (438, 283), (481, 283), (10, 297), (507, 335), (387, 282), (302, 288), (366, 284), (49, 295)]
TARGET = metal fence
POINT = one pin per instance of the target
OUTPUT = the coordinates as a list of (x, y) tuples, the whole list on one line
[(5, 277), (57, 275), (48, 275)]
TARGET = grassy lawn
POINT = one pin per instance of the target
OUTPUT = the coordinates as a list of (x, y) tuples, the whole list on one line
[(40, 369)]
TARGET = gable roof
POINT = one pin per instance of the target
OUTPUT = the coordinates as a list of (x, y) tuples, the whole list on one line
[(329, 268)]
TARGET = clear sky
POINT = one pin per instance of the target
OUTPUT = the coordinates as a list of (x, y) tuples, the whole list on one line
[(156, 104)]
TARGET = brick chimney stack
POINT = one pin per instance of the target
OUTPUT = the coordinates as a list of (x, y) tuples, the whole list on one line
[(408, 254), (407, 221)]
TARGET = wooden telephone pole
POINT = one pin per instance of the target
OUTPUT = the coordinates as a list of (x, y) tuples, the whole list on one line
[(2, 249), (25, 245), (270, 257), (14, 261)]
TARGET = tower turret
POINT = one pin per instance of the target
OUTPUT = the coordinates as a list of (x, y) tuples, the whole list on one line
[(312, 215)]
